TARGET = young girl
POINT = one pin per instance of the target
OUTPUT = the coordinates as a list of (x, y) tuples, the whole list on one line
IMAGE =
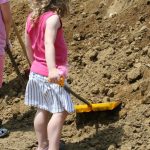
[(47, 52)]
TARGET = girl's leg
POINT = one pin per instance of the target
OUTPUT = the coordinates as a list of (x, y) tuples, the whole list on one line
[(2, 59), (40, 125), (54, 129)]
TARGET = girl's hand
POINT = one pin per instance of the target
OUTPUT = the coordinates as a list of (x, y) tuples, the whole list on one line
[(54, 75)]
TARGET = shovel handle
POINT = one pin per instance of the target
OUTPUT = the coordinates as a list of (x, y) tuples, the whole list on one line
[(20, 41), (61, 82), (14, 64)]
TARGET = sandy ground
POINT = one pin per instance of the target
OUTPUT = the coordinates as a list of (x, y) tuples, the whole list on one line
[(109, 57)]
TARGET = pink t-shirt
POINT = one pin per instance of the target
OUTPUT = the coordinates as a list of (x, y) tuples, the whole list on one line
[(2, 31), (36, 35)]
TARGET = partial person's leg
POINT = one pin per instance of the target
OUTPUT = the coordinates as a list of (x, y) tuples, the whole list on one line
[(2, 59), (54, 129), (3, 132), (40, 125)]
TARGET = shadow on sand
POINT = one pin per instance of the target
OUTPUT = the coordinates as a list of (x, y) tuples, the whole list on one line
[(103, 137), (100, 140)]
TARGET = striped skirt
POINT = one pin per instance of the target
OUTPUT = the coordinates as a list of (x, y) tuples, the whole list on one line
[(48, 96)]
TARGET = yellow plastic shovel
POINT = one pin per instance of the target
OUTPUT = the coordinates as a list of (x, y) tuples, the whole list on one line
[(88, 107)]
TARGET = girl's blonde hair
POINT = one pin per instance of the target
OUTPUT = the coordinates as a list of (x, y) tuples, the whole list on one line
[(61, 7)]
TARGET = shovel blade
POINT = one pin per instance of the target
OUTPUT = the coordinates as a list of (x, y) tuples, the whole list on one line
[(97, 107)]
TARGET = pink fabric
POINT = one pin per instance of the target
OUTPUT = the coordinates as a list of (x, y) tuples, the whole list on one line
[(36, 34), (2, 58), (3, 1), (2, 31)]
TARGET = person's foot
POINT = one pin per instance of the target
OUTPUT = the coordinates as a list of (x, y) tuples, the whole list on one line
[(61, 146), (3, 132)]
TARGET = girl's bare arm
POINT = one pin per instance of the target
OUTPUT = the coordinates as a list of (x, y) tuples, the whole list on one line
[(52, 25), (29, 50)]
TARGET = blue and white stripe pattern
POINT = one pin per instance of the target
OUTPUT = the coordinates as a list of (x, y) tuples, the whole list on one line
[(48, 96)]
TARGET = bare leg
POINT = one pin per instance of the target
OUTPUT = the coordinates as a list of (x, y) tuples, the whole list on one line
[(40, 125), (54, 129), (2, 59)]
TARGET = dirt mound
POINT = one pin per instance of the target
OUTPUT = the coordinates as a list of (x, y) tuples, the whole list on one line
[(109, 57), (119, 6)]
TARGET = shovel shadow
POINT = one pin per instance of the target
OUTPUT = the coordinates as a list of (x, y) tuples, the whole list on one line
[(98, 117), (102, 140), (13, 87), (106, 134)]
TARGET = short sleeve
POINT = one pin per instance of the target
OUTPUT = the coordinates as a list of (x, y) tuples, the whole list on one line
[(3, 1)]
